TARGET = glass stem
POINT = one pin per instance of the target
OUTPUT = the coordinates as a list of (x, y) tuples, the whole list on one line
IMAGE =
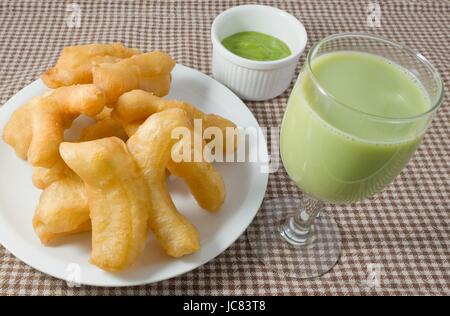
[(298, 229)]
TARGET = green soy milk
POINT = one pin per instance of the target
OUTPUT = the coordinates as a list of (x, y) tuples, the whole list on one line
[(330, 147)]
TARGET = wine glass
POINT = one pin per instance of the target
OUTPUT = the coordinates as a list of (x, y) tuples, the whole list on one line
[(357, 113)]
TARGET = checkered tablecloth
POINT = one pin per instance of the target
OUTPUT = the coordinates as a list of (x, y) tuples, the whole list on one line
[(404, 231)]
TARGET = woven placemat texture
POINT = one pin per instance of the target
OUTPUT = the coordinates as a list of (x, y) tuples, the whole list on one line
[(403, 232)]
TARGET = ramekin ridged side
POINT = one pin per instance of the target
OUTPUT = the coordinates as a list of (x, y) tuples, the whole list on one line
[(252, 84)]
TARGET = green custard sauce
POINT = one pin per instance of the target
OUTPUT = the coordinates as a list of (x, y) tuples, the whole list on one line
[(256, 46)]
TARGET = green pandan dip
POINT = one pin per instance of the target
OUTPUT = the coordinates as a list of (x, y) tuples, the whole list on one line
[(256, 46)]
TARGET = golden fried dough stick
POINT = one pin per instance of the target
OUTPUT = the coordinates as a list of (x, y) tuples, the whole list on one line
[(204, 181), (149, 72), (62, 209), (214, 120), (36, 130), (105, 126), (131, 128), (64, 197), (17, 132), (151, 147), (135, 106), (47, 237), (42, 177), (139, 104), (118, 199), (74, 65)]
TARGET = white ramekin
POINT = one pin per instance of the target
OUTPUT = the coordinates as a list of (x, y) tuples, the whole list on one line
[(250, 79)]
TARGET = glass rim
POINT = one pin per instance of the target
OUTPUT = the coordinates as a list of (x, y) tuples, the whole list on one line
[(416, 55)]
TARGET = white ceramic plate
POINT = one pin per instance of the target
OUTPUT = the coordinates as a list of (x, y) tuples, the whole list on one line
[(68, 260)]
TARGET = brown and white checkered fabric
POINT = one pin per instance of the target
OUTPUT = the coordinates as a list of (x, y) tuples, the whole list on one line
[(404, 231)]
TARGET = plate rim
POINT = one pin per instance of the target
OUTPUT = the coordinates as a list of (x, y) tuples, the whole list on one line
[(7, 242)]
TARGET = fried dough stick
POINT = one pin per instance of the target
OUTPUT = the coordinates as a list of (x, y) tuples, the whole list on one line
[(105, 126), (134, 107), (36, 129), (203, 180), (62, 210), (151, 147), (74, 65), (42, 177), (149, 72), (118, 200), (63, 206)]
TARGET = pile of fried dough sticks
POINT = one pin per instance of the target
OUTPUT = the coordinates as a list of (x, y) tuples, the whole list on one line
[(112, 181)]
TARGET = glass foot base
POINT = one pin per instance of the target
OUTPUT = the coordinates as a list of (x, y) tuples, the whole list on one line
[(294, 236), (272, 244)]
